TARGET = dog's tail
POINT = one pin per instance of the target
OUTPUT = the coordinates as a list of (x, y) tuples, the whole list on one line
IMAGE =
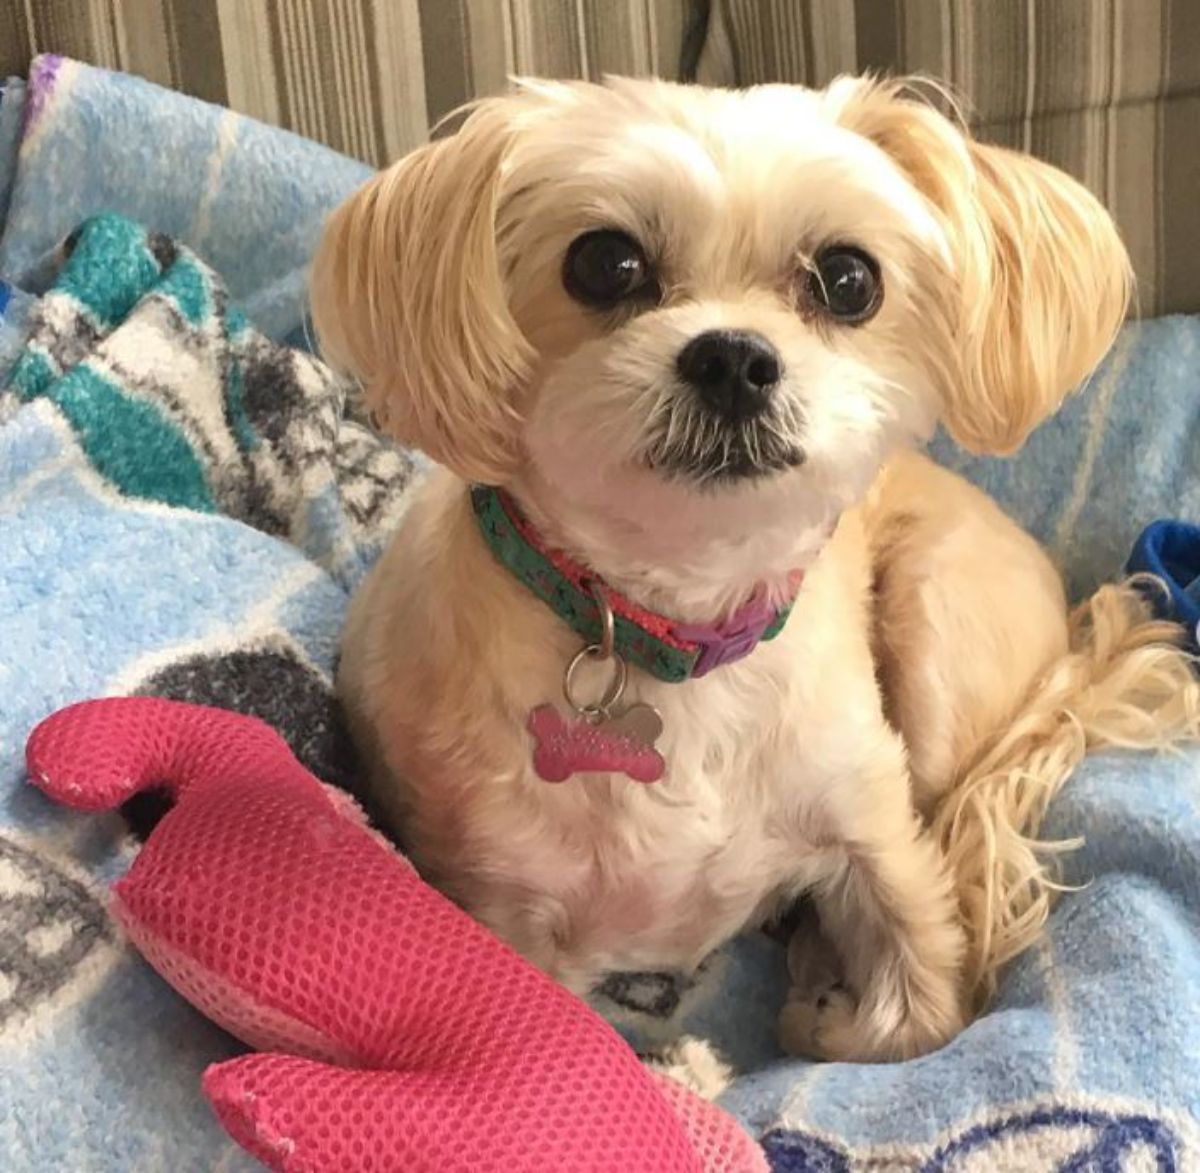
[(1124, 683)]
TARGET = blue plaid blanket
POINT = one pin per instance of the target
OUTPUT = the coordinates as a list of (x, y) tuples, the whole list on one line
[(185, 505)]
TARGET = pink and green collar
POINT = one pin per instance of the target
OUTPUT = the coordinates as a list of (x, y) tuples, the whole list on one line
[(665, 648)]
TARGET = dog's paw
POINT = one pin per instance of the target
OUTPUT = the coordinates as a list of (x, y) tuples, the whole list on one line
[(820, 1006), (817, 1019), (826, 1020), (899, 1013), (693, 1063)]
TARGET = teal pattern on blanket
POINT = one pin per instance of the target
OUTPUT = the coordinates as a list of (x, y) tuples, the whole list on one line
[(114, 272), (108, 267), (130, 442)]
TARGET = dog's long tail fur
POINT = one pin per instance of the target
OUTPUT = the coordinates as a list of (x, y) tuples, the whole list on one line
[(1125, 683)]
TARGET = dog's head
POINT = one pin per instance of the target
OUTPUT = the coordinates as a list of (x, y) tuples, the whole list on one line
[(686, 311)]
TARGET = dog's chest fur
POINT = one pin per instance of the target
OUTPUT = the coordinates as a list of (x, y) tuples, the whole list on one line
[(599, 872)]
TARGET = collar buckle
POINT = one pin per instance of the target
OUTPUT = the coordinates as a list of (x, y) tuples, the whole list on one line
[(733, 639)]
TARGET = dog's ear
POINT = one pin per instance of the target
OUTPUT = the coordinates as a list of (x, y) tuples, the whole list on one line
[(1041, 279), (408, 296)]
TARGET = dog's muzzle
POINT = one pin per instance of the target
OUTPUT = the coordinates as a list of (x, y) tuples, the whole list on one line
[(728, 424)]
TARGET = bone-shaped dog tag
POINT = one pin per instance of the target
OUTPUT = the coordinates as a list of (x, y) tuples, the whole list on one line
[(622, 742)]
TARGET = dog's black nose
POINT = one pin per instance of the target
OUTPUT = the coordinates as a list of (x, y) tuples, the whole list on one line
[(734, 371)]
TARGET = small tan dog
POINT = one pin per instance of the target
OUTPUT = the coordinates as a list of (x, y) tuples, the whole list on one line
[(694, 335)]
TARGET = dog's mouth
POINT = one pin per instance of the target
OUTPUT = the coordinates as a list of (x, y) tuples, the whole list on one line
[(713, 452)]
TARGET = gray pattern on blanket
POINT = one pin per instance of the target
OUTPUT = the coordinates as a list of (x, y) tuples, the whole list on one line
[(49, 924)]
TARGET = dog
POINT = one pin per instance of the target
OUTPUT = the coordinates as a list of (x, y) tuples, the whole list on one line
[(676, 351)]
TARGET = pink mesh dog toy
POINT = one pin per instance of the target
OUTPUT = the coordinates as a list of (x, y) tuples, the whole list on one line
[(399, 1034)]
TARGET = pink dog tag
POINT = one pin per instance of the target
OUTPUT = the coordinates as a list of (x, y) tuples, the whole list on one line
[(623, 743)]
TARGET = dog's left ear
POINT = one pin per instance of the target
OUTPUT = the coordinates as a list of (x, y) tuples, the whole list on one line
[(1041, 279)]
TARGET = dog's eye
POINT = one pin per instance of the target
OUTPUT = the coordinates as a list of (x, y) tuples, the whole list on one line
[(606, 267), (847, 284)]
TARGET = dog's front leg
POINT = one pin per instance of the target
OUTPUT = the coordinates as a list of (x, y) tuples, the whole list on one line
[(880, 978)]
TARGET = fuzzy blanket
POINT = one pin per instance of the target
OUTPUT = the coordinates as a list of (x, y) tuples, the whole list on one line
[(184, 508), (249, 198)]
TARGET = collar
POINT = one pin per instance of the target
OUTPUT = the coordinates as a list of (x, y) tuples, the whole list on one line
[(666, 648)]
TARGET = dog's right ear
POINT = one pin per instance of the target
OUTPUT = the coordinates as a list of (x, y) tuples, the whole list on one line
[(408, 296), (1039, 280)]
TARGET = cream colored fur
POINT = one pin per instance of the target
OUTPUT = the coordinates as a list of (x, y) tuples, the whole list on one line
[(889, 754)]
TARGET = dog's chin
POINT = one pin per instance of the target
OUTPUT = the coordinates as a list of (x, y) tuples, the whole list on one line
[(738, 456)]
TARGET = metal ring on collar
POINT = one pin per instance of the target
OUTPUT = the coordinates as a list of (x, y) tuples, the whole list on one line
[(612, 693)]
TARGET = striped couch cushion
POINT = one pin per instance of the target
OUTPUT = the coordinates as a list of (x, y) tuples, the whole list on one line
[(1103, 88), (366, 77)]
